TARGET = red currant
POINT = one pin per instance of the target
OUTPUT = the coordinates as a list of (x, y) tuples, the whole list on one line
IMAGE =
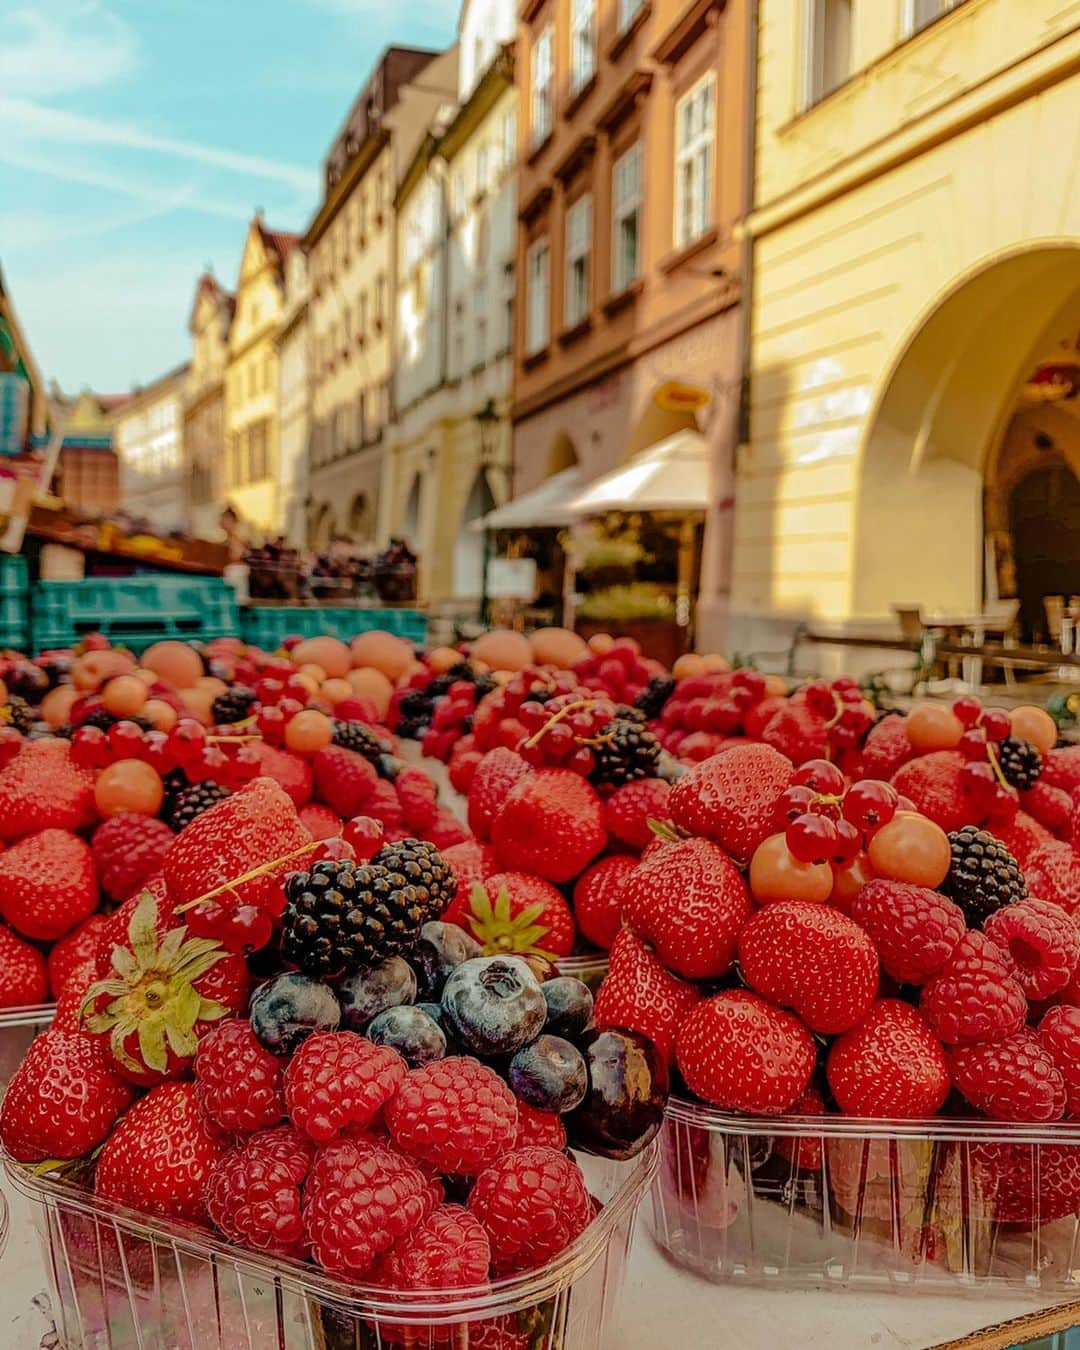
[(870, 804), (126, 740), (819, 698), (244, 765), (972, 744), (811, 838), (269, 690), (796, 800), (844, 683), (290, 707), (296, 688), (271, 724), (968, 709), (157, 752), (186, 740), (211, 765), (246, 928), (996, 723), (582, 761), (849, 840), (979, 781), (90, 748), (205, 920), (821, 775), (366, 835), (1004, 806)]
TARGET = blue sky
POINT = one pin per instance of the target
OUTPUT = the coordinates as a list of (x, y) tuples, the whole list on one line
[(136, 138)]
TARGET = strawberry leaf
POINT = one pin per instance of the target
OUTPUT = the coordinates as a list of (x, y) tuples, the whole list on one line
[(152, 1045)]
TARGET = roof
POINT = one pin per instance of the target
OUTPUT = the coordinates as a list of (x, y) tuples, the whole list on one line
[(672, 475), (110, 402), (278, 243), (545, 507)]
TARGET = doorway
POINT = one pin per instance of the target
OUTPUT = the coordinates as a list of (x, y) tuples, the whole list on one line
[(470, 544), (1044, 520)]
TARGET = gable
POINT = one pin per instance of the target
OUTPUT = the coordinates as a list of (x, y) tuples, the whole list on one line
[(254, 258)]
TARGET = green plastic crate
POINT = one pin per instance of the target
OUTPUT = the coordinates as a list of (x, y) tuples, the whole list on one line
[(14, 625), (267, 625), (14, 577), (134, 611)]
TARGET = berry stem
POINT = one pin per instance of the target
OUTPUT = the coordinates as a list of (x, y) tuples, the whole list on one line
[(995, 764), (560, 716), (259, 871)]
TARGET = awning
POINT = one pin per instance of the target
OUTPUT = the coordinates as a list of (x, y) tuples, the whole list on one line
[(672, 475), (546, 507)]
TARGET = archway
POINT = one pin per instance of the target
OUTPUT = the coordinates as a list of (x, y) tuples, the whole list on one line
[(410, 521), (918, 528), (562, 455), (1044, 520), (360, 518), (469, 546), (321, 529)]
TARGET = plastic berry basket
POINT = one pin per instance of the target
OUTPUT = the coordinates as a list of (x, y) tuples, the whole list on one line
[(123, 1281), (942, 1205), (18, 1027)]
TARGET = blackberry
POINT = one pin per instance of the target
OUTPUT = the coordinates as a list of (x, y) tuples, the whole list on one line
[(1020, 762), (342, 916), (983, 876), (356, 736), (414, 706), (233, 706), (421, 865), (484, 685), (17, 713), (182, 807), (656, 693), (440, 685), (625, 713), (101, 717), (624, 751)]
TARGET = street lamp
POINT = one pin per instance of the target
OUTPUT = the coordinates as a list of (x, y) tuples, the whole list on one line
[(487, 422)]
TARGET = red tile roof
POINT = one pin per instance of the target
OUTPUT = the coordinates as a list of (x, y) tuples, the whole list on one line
[(110, 402), (278, 242)]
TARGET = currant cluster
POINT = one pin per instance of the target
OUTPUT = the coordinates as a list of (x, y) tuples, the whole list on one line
[(536, 685), (986, 744), (825, 822), (846, 712), (188, 746), (619, 670), (560, 730), (451, 718)]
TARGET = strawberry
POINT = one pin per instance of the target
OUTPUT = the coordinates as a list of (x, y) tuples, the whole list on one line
[(758, 716), (158, 1158), (733, 798), (419, 799), (291, 772), (498, 771), (812, 959), (463, 763), (127, 849), (934, 784), (886, 748), (114, 930), (515, 912), (74, 951), (23, 980), (798, 732), (63, 1099), (688, 901), (344, 780), (1052, 873), (47, 884), (319, 821), (638, 993), (445, 830), (1050, 806), (740, 1053), (470, 861), (891, 1065), (384, 806), (804, 1152), (551, 824), (1061, 768), (629, 809), (1021, 836), (68, 1015), (598, 898), (43, 789)]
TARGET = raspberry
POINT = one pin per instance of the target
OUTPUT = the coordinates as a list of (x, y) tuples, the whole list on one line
[(238, 1084), (629, 809), (740, 1053), (320, 821), (1061, 767), (344, 780), (383, 805), (71, 953), (253, 1192), (975, 997), (338, 1080), (455, 1113), (887, 747), (1053, 874), (418, 797), (127, 849), (598, 896), (539, 1128), (890, 1066), (1059, 1032), (1042, 941), (360, 1199), (1013, 1079), (914, 929), (532, 1204), (813, 959), (448, 1250), (1050, 806), (1021, 836), (1023, 1183)]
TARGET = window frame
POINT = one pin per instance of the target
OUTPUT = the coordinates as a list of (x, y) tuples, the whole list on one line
[(908, 26), (619, 282), (536, 341), (686, 232), (542, 96), (814, 90), (628, 12), (576, 305), (582, 39)]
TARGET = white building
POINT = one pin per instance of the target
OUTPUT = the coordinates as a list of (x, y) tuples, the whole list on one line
[(148, 440), (294, 401)]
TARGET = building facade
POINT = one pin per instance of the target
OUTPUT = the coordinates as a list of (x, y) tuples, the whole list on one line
[(147, 438), (87, 477), (916, 291), (252, 483), (294, 400), (351, 250), (205, 464)]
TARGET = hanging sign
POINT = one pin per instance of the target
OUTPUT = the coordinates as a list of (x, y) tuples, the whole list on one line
[(511, 578)]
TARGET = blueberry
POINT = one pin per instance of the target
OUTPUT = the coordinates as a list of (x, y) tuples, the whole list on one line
[(287, 1009), (569, 1007), (370, 992), (494, 1005), (416, 1037), (441, 948), (623, 1108), (549, 1074), (433, 1010)]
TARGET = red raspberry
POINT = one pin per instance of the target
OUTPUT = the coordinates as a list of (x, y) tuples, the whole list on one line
[(463, 765), (532, 1204), (448, 1250), (127, 849), (630, 808), (344, 780), (639, 994), (935, 784), (914, 929), (975, 997), (1061, 768), (887, 747), (598, 896), (1050, 806), (1013, 1079), (740, 1053), (445, 830), (497, 1333), (253, 1192), (539, 1128), (418, 797), (890, 1066), (291, 772), (1059, 1032), (1029, 1184), (72, 952), (320, 821), (1053, 873), (813, 959), (804, 1151), (338, 1080), (1021, 836), (1042, 942), (383, 804), (360, 1199), (238, 1084), (456, 1114)]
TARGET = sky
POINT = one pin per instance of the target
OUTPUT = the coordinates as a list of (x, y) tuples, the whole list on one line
[(138, 136)]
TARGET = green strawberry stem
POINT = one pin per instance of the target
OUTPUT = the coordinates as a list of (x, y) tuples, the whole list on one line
[(498, 931)]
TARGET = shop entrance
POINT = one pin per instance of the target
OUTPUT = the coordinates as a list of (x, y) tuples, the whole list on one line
[(1044, 521)]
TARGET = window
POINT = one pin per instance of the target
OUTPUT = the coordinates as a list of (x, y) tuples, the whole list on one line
[(361, 216), (539, 300), (482, 169), (541, 87), (626, 241), (361, 317), (459, 338), (628, 10), (578, 247), (828, 46), (380, 302), (582, 43), (695, 134), (362, 417), (507, 341), (457, 193), (919, 14), (509, 137), (480, 320)]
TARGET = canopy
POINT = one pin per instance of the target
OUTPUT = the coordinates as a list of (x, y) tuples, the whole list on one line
[(546, 507), (672, 475)]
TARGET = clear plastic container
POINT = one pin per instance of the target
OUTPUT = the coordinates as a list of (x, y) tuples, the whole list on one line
[(18, 1027), (830, 1201), (589, 967), (122, 1281)]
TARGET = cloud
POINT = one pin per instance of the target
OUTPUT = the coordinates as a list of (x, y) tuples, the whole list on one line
[(79, 45)]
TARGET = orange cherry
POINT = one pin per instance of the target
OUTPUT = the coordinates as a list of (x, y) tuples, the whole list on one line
[(933, 726), (776, 875), (124, 695), (129, 785), (1035, 725), (163, 715), (308, 732), (911, 848), (849, 881)]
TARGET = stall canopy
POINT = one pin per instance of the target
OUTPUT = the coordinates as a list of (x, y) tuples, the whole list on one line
[(672, 475), (546, 507)]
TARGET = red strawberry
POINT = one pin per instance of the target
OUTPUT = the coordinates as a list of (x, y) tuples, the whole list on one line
[(445, 830), (630, 808), (515, 912), (319, 821), (63, 1099), (891, 1065), (127, 849), (463, 763), (757, 717), (75, 950), (22, 972), (638, 993), (344, 780), (47, 884), (1050, 806), (160, 1155), (733, 799), (42, 789), (739, 1053), (797, 732), (551, 824), (290, 772), (886, 748), (812, 959), (804, 1152), (1061, 768), (1021, 836), (934, 784), (688, 901), (69, 1002), (470, 861), (598, 898), (384, 806), (1052, 873), (498, 771)]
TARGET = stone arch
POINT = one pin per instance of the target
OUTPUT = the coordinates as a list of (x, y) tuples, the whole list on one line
[(321, 528), (360, 521), (470, 544), (410, 520), (562, 455)]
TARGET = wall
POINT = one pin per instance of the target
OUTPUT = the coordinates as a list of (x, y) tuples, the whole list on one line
[(147, 439)]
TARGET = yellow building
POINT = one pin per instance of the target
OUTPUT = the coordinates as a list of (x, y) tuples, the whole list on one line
[(916, 305), (252, 484), (204, 405)]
